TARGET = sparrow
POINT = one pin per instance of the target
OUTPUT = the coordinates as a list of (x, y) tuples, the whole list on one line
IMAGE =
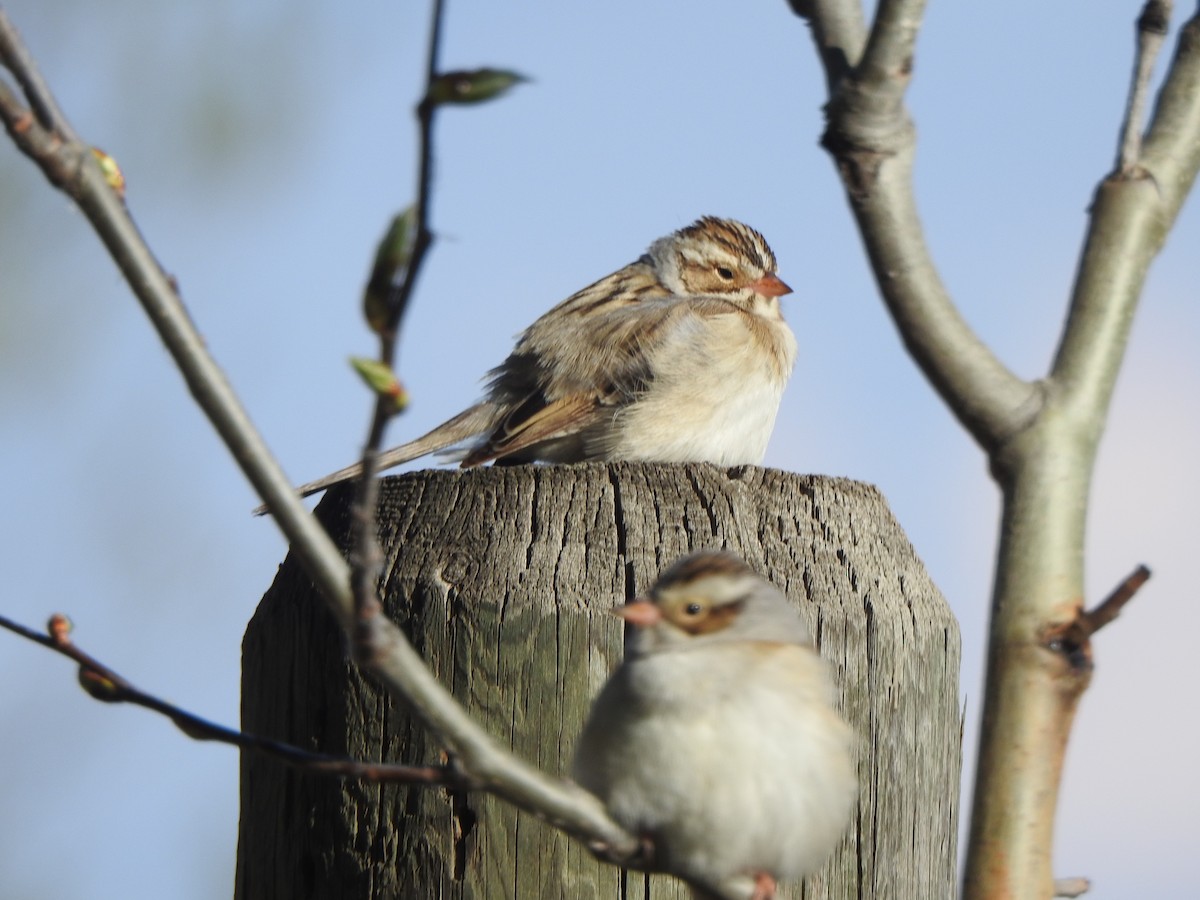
[(716, 738), (681, 356)]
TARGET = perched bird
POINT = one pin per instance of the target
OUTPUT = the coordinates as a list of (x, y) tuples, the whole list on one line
[(715, 738), (681, 356)]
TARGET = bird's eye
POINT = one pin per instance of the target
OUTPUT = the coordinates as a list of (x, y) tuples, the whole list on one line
[(693, 609), (725, 273)]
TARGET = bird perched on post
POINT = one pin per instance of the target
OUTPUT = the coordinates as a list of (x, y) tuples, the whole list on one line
[(715, 738), (681, 356)]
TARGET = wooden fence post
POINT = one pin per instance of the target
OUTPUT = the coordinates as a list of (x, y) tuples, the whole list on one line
[(502, 577)]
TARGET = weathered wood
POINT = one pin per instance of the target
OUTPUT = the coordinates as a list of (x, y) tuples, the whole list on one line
[(501, 577)]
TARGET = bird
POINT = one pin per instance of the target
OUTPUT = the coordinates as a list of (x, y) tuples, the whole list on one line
[(715, 738), (680, 356)]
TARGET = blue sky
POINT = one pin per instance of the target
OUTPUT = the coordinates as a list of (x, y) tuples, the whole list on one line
[(266, 144)]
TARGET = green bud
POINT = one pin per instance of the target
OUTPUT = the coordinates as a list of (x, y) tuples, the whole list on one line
[(381, 379), (98, 686), (471, 87), (395, 246), (112, 171), (391, 256)]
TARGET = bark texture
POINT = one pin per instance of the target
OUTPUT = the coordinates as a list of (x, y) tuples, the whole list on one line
[(502, 578)]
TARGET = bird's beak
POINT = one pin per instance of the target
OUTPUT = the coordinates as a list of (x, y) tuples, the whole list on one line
[(641, 613), (770, 286)]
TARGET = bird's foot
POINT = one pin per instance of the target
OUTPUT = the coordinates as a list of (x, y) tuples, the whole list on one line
[(764, 887)]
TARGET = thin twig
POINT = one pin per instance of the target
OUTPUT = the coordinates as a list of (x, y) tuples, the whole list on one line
[(367, 559), (1152, 26), (1171, 146), (1071, 887), (15, 57), (1110, 607), (69, 165), (102, 683)]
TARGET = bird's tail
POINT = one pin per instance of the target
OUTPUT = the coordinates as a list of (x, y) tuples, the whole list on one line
[(466, 424)]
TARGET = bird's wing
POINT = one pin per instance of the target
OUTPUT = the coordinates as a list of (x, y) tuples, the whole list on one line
[(537, 421), (577, 382), (609, 351)]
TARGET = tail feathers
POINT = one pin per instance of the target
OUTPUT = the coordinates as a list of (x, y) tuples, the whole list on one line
[(466, 424)]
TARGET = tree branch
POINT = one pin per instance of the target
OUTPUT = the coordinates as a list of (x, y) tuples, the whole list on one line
[(839, 31), (1072, 639), (1071, 887), (367, 558), (1039, 655), (1110, 607), (871, 138), (1152, 27), (69, 164), (1041, 437), (103, 684), (1131, 216), (1171, 150)]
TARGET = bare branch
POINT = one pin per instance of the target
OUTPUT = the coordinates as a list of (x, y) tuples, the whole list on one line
[(104, 684), (1171, 149), (396, 663), (1131, 216), (872, 140), (1040, 437), (1110, 607), (70, 165), (15, 57), (888, 58), (839, 31), (1040, 655), (1072, 639), (1071, 887), (367, 558), (1152, 27)]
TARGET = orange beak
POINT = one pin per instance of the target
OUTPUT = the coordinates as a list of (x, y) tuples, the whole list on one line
[(770, 286), (641, 613)]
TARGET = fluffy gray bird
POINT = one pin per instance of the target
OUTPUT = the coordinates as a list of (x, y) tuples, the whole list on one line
[(715, 737)]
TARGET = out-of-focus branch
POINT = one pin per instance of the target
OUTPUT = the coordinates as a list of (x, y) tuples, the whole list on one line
[(15, 57), (1131, 216), (1071, 887), (1110, 607), (43, 134), (396, 664), (104, 684), (1040, 437), (70, 165), (367, 558), (1152, 27), (888, 57), (1171, 150), (1040, 659), (872, 140), (1072, 640), (839, 31)]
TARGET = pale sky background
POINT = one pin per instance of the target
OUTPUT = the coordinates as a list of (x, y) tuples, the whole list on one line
[(267, 143)]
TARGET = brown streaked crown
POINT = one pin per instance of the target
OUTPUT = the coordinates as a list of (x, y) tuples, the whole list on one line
[(700, 565), (738, 238)]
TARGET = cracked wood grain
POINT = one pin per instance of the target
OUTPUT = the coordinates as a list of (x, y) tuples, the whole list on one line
[(502, 577)]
